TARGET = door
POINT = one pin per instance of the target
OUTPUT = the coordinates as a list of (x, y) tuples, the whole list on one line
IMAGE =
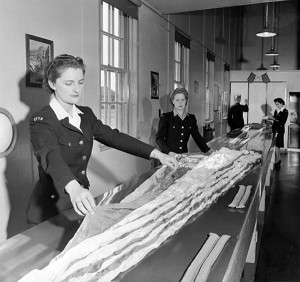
[(294, 120)]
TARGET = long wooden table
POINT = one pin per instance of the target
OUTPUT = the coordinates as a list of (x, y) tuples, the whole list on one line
[(35, 247)]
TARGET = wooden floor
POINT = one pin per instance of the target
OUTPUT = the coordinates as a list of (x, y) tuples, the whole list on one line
[(279, 255)]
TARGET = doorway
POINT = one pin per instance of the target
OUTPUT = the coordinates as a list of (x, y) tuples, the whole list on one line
[(294, 122)]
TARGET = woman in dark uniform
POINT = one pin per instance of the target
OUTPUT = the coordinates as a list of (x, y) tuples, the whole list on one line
[(175, 127), (279, 120), (62, 135), (235, 113)]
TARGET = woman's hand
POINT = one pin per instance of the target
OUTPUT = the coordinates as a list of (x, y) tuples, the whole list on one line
[(82, 200), (172, 154), (164, 158)]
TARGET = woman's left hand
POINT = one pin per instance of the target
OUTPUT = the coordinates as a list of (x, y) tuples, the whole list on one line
[(81, 198)]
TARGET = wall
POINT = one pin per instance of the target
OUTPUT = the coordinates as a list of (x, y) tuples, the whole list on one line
[(286, 42)]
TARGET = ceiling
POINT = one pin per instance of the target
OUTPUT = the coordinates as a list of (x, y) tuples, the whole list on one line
[(181, 6)]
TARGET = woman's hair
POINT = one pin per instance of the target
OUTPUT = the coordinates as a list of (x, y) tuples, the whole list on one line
[(56, 67), (179, 91), (279, 100)]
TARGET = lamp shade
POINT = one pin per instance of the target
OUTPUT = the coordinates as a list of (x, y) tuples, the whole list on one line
[(272, 52), (266, 32), (275, 64)]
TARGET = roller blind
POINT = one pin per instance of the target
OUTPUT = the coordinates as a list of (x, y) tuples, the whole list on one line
[(182, 39), (130, 8), (210, 56), (226, 67)]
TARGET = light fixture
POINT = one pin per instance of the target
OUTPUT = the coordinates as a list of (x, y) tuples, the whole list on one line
[(275, 65), (266, 32), (262, 56), (272, 52)]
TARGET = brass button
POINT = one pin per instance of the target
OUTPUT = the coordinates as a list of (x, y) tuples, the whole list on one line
[(52, 196), (84, 158), (70, 144), (80, 142), (182, 133), (83, 172), (180, 148), (182, 127), (180, 140)]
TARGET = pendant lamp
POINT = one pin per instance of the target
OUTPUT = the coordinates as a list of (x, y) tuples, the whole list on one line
[(266, 32), (275, 65), (272, 52)]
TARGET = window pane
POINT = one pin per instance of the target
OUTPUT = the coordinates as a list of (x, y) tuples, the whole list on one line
[(117, 53), (105, 17), (112, 85), (103, 113), (177, 71), (116, 22), (103, 90), (105, 50), (113, 120)]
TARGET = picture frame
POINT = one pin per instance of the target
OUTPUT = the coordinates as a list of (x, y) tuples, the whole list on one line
[(39, 52), (154, 85)]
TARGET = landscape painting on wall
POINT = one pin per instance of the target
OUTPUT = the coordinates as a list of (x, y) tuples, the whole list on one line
[(39, 52)]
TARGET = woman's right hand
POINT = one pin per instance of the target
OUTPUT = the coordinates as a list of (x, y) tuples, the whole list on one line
[(165, 159), (82, 200)]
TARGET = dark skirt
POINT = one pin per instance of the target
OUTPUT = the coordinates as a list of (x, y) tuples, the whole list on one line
[(280, 140)]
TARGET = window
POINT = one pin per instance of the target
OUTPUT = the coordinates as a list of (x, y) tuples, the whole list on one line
[(118, 31), (225, 99), (210, 85), (181, 64)]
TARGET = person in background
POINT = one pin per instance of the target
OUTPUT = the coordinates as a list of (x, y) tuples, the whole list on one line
[(279, 119), (62, 135), (175, 128), (235, 113)]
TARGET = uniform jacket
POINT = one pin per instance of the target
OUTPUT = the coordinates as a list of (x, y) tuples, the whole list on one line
[(63, 152), (173, 133), (281, 118), (235, 116)]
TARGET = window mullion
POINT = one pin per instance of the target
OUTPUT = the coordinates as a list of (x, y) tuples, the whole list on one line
[(116, 98)]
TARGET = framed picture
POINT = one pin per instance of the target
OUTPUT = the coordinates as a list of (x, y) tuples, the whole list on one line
[(39, 52), (154, 85)]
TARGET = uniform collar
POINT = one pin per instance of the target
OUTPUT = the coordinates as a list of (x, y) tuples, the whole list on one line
[(281, 110), (61, 113), (184, 114)]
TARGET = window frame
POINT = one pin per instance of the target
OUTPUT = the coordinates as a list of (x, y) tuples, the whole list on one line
[(114, 70)]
